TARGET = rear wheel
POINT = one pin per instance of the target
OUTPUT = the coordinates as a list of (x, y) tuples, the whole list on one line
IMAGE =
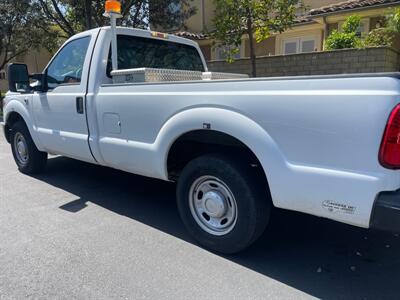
[(27, 157), (223, 203)]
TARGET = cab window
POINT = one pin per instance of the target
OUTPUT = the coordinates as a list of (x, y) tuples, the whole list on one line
[(67, 66), (138, 52)]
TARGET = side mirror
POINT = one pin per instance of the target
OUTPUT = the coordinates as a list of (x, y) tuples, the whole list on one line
[(18, 78), (40, 85)]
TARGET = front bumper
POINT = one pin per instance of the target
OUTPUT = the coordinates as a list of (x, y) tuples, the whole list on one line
[(386, 212)]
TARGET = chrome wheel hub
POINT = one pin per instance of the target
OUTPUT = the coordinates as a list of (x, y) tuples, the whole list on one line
[(213, 205), (21, 148)]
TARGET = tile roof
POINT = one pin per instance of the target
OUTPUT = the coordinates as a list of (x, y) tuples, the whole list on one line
[(349, 5), (203, 36), (192, 35), (303, 19), (308, 17)]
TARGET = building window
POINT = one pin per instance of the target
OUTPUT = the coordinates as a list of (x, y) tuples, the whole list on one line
[(2, 75), (299, 45), (307, 46), (290, 46), (222, 52)]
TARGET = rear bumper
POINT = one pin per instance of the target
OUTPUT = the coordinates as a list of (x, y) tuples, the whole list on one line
[(386, 212)]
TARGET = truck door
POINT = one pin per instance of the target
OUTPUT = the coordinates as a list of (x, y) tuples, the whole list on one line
[(59, 113)]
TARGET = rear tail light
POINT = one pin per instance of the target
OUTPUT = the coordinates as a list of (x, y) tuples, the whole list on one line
[(389, 154)]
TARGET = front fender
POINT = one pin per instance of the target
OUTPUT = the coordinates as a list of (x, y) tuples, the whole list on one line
[(226, 121), (15, 106)]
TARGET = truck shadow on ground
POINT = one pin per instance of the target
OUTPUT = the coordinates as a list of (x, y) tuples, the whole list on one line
[(322, 258)]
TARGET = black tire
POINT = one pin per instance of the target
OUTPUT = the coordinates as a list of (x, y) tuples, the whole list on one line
[(36, 160), (251, 195)]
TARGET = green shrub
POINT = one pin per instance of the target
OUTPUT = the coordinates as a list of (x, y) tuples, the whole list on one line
[(347, 38), (380, 37), (341, 40), (351, 24)]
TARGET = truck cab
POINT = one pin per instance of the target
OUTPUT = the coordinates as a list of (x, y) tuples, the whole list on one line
[(58, 106)]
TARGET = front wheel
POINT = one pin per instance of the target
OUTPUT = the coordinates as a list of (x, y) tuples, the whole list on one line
[(27, 157), (222, 203)]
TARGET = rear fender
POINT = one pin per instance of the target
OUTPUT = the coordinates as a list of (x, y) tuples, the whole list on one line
[(226, 121)]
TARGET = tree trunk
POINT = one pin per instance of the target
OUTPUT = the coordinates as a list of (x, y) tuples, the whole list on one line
[(252, 54), (251, 43), (58, 18), (88, 14)]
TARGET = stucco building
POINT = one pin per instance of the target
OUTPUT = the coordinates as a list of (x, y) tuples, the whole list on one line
[(313, 25), (36, 61)]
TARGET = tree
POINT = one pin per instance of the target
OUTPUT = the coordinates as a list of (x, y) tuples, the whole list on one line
[(256, 18), (73, 16), (22, 27), (393, 20)]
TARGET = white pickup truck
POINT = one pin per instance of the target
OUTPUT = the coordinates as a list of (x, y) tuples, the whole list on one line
[(324, 145)]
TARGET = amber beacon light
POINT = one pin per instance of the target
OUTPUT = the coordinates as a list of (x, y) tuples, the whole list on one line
[(112, 6)]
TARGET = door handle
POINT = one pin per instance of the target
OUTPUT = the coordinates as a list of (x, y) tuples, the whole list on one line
[(79, 105)]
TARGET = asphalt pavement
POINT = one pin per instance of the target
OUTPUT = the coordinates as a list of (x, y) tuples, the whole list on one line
[(80, 231)]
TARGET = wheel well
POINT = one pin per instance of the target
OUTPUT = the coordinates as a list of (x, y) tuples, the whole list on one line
[(13, 118), (199, 142)]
